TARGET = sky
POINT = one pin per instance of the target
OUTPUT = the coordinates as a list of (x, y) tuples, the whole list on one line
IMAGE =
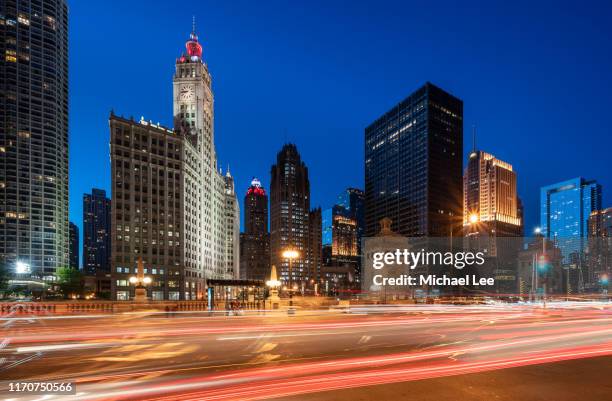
[(534, 78)]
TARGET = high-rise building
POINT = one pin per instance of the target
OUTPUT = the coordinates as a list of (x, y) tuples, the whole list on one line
[(232, 224), (34, 237), (74, 245), (491, 216), (172, 206), (600, 250), (340, 234), (352, 200), (255, 240), (289, 215), (565, 208), (489, 197), (314, 247), (600, 223), (96, 232), (413, 165)]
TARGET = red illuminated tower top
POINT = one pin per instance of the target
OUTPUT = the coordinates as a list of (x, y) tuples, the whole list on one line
[(256, 188), (194, 48)]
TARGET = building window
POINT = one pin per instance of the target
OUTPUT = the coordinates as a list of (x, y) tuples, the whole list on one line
[(123, 295)]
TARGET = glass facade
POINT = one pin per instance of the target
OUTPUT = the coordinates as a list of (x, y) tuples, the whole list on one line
[(74, 245), (565, 208), (326, 222), (34, 135), (413, 165), (96, 232), (352, 200)]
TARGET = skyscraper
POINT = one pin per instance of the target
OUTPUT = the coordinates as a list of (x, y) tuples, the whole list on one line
[(34, 136), (96, 232), (413, 165), (255, 240), (289, 214), (600, 250), (490, 197), (74, 245), (172, 205), (491, 216), (600, 223), (340, 234), (232, 228), (314, 248), (352, 200), (565, 208)]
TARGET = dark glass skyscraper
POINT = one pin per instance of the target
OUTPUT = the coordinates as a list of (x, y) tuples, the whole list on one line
[(255, 240), (413, 165), (34, 135), (74, 246), (289, 214), (96, 232)]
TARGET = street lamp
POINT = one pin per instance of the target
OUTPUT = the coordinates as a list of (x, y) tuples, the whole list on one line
[(540, 263), (290, 254)]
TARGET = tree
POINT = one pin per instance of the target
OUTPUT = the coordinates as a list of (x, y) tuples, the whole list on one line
[(70, 281)]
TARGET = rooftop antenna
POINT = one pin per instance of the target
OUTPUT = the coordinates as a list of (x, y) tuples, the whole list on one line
[(193, 24)]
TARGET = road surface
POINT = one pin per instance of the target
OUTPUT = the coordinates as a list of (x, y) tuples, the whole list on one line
[(327, 355)]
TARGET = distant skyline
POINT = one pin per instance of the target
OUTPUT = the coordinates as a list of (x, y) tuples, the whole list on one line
[(536, 84)]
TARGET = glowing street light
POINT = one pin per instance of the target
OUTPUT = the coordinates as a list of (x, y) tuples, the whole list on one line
[(473, 218), (290, 254)]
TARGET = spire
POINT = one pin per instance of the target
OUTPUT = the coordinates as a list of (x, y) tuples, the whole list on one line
[(194, 49)]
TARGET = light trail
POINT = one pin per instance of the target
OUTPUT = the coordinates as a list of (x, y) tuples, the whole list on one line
[(256, 357)]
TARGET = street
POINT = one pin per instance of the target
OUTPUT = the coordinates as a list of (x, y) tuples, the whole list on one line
[(314, 354)]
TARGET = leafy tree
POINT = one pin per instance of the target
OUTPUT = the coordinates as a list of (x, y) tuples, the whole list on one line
[(70, 281)]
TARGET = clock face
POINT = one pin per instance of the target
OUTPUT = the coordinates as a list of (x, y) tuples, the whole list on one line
[(186, 92)]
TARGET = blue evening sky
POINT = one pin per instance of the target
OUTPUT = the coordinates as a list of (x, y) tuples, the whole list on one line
[(535, 78)]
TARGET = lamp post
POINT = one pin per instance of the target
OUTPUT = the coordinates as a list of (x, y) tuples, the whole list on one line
[(540, 263), (140, 282), (290, 254)]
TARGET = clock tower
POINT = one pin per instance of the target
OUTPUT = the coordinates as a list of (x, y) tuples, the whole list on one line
[(204, 185), (193, 99)]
